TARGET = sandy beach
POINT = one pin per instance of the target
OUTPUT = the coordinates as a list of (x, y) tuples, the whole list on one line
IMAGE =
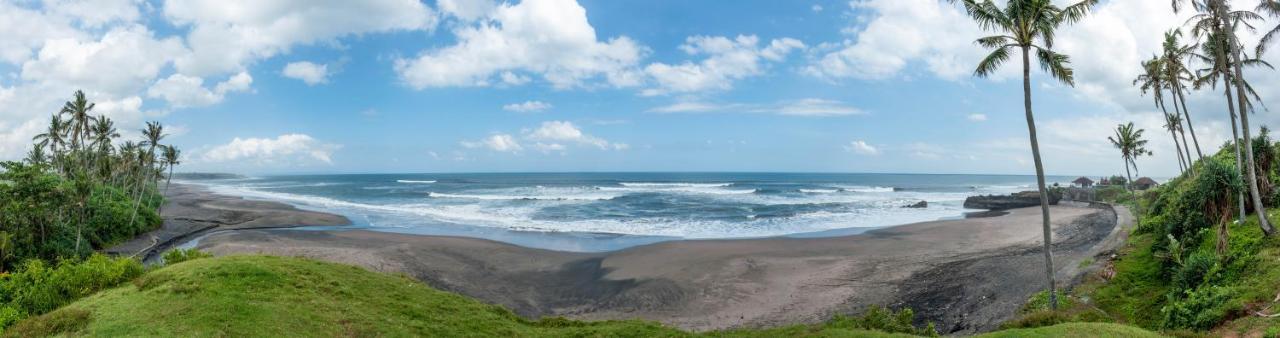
[(966, 275)]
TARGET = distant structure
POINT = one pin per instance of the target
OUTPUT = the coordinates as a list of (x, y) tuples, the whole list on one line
[(1144, 183), (1083, 182)]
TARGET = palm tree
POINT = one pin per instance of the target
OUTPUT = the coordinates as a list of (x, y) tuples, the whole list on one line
[(1172, 123), (1272, 8), (1216, 18), (78, 108), (169, 154), (1028, 25), (153, 133), (1214, 56), (54, 137), (1174, 58), (1131, 145), (1154, 79)]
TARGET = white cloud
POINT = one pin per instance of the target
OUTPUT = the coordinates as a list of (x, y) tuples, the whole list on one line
[(565, 131), (496, 142), (227, 35), (25, 29), (816, 8), (548, 38), (861, 147), (121, 63), (283, 149), (310, 73), (186, 91), (95, 13), (550, 136), (977, 117), (527, 107), (898, 33), (467, 9), (727, 60), (810, 107)]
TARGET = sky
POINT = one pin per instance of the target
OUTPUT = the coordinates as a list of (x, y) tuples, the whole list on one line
[(308, 86)]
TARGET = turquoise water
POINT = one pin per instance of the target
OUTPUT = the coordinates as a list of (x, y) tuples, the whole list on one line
[(609, 211)]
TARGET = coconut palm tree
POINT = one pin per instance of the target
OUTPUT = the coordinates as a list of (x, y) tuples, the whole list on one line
[(1155, 79), (1175, 61), (78, 109), (1172, 123), (1131, 145), (169, 154), (1028, 26), (1216, 19), (153, 133), (1272, 8), (54, 138)]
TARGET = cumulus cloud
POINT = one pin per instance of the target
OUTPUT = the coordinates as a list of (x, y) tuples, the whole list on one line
[(186, 91), (550, 39), (975, 117), (310, 73), (727, 60), (282, 149), (527, 107), (896, 33), (808, 107), (227, 35), (496, 142), (550, 136), (861, 147)]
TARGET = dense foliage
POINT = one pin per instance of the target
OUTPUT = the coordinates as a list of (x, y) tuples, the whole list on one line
[(36, 287), (77, 190)]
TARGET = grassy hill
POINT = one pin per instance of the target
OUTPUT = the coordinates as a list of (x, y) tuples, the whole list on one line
[(244, 296)]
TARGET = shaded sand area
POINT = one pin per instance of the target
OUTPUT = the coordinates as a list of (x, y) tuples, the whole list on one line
[(966, 275)]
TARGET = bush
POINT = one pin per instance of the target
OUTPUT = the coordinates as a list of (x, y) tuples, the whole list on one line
[(1200, 309), (882, 319), (36, 287), (176, 256), (1193, 272)]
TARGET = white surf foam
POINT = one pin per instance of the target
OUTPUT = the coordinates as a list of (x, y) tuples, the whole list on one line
[(416, 181), (685, 185)]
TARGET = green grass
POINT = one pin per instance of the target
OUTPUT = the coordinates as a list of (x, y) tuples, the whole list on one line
[(266, 296), (1069, 330)]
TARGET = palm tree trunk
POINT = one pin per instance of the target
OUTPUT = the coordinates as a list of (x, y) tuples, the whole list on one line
[(1186, 116), (1129, 185), (1044, 193), (1235, 140), (1244, 125), (1181, 164), (1178, 111)]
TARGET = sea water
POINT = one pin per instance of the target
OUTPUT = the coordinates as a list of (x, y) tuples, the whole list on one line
[(610, 211)]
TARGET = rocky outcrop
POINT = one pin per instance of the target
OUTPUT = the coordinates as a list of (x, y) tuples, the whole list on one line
[(1012, 201), (917, 205)]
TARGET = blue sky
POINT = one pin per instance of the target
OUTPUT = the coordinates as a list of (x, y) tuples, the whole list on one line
[(591, 85)]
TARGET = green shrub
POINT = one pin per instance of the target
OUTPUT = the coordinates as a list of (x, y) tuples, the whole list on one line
[(37, 287), (176, 256), (1193, 272), (882, 319), (1200, 309)]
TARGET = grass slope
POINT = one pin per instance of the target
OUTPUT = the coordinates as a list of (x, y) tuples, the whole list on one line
[(256, 296)]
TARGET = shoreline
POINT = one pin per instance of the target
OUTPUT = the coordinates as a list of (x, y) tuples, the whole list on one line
[(967, 275)]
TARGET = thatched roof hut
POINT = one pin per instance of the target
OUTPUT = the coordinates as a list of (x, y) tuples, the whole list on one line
[(1144, 183), (1083, 182)]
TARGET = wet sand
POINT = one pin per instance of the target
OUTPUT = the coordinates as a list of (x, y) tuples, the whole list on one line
[(967, 275)]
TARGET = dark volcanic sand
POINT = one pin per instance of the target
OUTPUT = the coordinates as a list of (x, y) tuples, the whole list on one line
[(967, 275)]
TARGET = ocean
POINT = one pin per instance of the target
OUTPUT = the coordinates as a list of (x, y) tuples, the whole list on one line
[(611, 211)]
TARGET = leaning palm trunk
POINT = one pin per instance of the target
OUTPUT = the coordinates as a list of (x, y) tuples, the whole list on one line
[(1244, 122), (1044, 193), (1186, 116), (1180, 130), (1235, 140), (1129, 185), (1182, 165)]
